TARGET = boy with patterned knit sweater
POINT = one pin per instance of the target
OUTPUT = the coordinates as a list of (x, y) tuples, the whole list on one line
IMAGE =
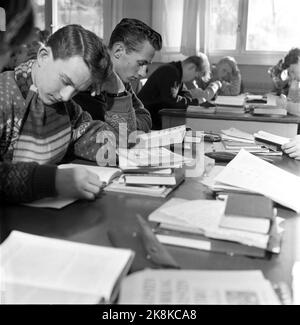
[(39, 122)]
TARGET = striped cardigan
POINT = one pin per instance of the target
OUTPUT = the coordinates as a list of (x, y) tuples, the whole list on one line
[(35, 137)]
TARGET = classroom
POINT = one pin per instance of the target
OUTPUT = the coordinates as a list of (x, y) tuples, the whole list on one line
[(149, 154)]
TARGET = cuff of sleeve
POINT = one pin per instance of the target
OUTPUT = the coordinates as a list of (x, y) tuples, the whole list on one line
[(44, 181)]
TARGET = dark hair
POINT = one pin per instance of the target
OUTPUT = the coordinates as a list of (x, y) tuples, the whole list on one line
[(74, 40), (133, 33), (19, 23), (292, 57), (202, 64)]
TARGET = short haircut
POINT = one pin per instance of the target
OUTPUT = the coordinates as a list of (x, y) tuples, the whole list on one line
[(232, 63), (202, 64), (292, 57), (74, 40), (19, 23), (133, 33)]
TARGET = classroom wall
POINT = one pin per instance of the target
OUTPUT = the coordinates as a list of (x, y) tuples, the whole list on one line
[(256, 78), (138, 9)]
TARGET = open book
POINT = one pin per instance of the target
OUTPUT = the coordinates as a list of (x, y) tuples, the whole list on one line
[(161, 138), (251, 173), (106, 174), (197, 287), (41, 270)]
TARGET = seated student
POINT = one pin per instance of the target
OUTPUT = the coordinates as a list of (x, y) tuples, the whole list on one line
[(165, 86), (282, 72), (132, 46), (227, 73), (39, 122), (292, 64)]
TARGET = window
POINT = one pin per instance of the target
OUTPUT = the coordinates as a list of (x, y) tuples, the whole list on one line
[(254, 31), (58, 13), (223, 24), (39, 10), (171, 30), (88, 13), (272, 25)]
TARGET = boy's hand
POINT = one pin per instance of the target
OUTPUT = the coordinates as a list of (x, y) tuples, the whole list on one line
[(77, 182), (292, 148)]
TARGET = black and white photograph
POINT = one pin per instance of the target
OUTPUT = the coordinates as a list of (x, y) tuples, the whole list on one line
[(149, 156)]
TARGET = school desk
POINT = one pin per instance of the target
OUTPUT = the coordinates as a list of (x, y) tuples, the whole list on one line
[(286, 126), (88, 222)]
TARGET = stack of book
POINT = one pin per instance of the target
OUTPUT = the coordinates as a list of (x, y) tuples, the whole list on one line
[(153, 176), (264, 105), (272, 141), (234, 140), (150, 168), (248, 212), (206, 225), (230, 104)]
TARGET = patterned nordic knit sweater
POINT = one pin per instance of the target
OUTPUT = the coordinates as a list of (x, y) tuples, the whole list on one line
[(164, 89), (34, 137), (96, 106)]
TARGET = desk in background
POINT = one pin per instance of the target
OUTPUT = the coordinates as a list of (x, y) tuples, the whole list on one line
[(286, 126), (88, 222)]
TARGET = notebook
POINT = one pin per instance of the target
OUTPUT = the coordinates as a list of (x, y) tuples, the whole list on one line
[(42, 270)]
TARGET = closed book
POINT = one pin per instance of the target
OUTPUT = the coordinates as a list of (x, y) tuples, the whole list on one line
[(201, 109), (269, 111), (185, 238), (249, 212), (155, 179), (270, 140)]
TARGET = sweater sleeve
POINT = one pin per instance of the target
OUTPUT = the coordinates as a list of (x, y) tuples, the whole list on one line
[(143, 117), (232, 88), (25, 182), (87, 133), (172, 94)]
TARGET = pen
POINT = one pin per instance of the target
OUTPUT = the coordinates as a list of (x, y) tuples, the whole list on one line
[(102, 186)]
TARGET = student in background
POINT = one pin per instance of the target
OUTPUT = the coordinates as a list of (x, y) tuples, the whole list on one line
[(165, 86), (282, 73), (292, 64), (227, 73), (19, 24), (132, 46), (39, 122)]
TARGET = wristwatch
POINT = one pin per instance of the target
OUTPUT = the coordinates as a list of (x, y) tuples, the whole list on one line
[(121, 94)]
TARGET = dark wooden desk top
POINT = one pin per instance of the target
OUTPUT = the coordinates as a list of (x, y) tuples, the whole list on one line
[(173, 112), (88, 222)]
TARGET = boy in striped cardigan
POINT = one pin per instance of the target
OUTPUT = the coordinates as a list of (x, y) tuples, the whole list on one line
[(39, 122)]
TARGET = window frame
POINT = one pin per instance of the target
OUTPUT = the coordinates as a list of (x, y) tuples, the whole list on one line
[(242, 55), (51, 16)]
